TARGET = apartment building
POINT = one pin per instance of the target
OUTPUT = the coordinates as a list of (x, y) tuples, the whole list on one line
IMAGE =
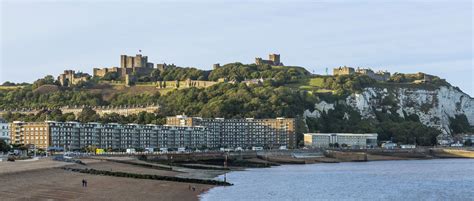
[(349, 139), (244, 133), (36, 133), (74, 136), (4, 131), (180, 132)]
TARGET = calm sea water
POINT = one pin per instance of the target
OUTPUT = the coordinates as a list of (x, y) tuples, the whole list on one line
[(443, 179)]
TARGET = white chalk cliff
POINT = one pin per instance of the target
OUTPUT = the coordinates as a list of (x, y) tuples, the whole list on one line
[(433, 107)]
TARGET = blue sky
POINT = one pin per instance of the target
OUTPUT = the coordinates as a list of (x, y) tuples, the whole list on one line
[(45, 37)]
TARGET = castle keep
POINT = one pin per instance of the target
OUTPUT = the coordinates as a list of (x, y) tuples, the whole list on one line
[(137, 65), (273, 59), (137, 61)]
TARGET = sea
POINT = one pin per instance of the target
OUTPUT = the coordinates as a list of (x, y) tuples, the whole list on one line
[(438, 179)]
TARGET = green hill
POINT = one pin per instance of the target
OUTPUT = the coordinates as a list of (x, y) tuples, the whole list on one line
[(286, 91)]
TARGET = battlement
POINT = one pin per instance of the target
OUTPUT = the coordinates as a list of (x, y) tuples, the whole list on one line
[(137, 61), (273, 59), (178, 84), (343, 71), (70, 77), (138, 65), (164, 66), (425, 78), (379, 75)]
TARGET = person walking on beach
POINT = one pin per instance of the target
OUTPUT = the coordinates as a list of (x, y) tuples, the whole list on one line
[(83, 183)]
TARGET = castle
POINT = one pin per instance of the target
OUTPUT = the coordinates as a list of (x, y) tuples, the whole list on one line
[(70, 77), (136, 65), (343, 71), (274, 60), (424, 78), (132, 67), (379, 75), (162, 67)]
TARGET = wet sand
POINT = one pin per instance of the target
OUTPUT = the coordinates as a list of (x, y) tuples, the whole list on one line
[(53, 183)]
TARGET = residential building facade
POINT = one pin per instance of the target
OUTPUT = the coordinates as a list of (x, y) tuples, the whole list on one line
[(349, 139), (36, 133), (74, 136), (4, 131), (180, 132), (243, 133)]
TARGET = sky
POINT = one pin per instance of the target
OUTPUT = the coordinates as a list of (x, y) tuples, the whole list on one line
[(41, 38)]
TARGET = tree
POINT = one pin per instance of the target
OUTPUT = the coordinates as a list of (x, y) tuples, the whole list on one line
[(468, 143), (459, 124), (49, 79), (111, 76), (88, 115), (4, 147), (7, 83)]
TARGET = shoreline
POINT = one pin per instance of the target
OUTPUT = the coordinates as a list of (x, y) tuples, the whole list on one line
[(373, 158), (200, 195), (243, 181), (156, 174)]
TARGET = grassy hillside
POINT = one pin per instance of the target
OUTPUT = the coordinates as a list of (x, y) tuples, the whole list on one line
[(287, 91)]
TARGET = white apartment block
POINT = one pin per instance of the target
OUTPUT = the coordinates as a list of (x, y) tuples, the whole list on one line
[(349, 139)]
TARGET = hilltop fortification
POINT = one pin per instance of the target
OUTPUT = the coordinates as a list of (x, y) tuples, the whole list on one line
[(379, 75)]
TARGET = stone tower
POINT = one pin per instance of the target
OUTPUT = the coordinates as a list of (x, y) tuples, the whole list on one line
[(134, 61), (140, 61), (123, 61), (275, 58)]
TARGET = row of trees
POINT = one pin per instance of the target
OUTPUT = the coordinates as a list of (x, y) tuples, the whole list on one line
[(239, 72), (347, 84), (87, 115), (27, 98), (232, 72)]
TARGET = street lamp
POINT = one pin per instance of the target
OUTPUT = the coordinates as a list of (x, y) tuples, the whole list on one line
[(225, 167), (34, 151)]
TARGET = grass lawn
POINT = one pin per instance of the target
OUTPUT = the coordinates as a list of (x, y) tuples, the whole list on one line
[(10, 87), (315, 84)]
